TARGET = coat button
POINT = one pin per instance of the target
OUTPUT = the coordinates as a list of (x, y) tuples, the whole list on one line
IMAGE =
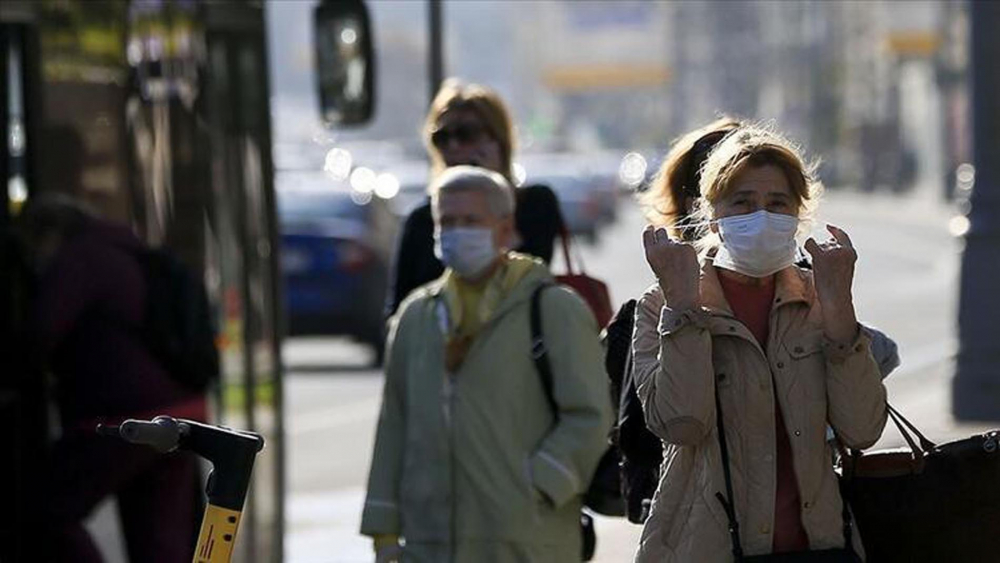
[(781, 365), (765, 529), (799, 350), (807, 505), (798, 432), (721, 376)]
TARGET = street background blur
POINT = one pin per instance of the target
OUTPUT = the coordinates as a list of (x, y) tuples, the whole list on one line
[(877, 90)]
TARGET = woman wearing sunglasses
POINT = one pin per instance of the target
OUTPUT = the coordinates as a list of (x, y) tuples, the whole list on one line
[(742, 360), (469, 124)]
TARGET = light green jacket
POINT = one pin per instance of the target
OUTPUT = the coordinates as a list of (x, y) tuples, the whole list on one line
[(472, 466)]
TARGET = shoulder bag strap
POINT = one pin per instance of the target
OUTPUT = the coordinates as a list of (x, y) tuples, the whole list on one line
[(539, 353), (727, 501)]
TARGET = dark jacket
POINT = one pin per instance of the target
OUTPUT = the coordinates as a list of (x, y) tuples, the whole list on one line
[(537, 218), (90, 306)]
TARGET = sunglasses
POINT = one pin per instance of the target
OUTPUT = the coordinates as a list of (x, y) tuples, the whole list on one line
[(465, 133)]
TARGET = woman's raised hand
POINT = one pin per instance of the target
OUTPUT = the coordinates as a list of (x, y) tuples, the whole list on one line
[(833, 270), (675, 265)]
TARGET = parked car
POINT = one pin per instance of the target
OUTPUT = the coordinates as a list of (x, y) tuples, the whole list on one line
[(336, 248), (582, 196), (601, 170), (580, 205)]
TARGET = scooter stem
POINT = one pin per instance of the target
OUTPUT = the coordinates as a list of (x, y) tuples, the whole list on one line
[(232, 454)]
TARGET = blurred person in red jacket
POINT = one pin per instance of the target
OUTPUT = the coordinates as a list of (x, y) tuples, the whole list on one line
[(89, 308)]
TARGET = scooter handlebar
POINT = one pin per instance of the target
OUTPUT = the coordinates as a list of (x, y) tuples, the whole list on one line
[(163, 433), (231, 452)]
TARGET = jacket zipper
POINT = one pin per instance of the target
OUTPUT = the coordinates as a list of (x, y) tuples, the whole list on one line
[(450, 390), (449, 413), (762, 351)]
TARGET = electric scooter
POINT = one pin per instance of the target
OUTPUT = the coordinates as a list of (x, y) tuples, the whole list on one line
[(232, 454)]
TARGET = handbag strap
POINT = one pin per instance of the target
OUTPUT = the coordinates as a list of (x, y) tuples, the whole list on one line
[(565, 237), (914, 448), (728, 505), (564, 240), (849, 456), (901, 421)]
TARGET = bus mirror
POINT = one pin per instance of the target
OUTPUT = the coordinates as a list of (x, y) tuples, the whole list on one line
[(345, 62)]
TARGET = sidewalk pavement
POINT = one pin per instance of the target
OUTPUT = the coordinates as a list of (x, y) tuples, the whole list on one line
[(322, 528)]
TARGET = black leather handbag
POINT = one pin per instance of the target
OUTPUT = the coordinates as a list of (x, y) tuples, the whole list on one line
[(834, 555), (927, 502)]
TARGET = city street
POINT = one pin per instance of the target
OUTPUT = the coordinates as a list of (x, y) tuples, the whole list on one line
[(906, 284), (191, 181)]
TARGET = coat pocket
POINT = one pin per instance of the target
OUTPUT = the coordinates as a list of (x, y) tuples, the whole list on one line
[(805, 346), (534, 497)]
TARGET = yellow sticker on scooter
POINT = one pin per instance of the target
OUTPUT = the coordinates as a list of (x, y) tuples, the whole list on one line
[(218, 535)]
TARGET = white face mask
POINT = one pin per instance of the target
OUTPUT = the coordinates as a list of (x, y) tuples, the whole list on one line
[(757, 244), (466, 250)]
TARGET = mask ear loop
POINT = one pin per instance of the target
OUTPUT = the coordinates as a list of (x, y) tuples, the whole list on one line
[(689, 231)]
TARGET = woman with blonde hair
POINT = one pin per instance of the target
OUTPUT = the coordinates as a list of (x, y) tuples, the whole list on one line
[(468, 124), (742, 359)]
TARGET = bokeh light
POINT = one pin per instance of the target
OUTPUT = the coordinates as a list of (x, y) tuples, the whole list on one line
[(386, 185), (363, 180), (337, 164), (632, 171)]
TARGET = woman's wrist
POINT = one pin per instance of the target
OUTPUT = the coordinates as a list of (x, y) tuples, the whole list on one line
[(840, 324), (679, 300)]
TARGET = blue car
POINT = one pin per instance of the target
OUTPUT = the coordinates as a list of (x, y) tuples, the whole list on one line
[(335, 260)]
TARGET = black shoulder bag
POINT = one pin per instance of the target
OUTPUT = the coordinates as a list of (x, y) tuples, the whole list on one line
[(927, 502), (834, 555)]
